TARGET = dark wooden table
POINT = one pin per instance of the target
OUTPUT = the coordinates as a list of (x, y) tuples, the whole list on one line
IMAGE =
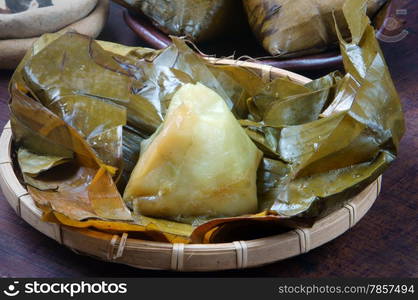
[(383, 244)]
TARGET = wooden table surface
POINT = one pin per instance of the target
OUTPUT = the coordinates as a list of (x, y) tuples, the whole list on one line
[(383, 244)]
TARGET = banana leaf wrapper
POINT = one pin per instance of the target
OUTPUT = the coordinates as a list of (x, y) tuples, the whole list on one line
[(58, 124), (198, 20), (289, 28), (365, 116), (323, 142)]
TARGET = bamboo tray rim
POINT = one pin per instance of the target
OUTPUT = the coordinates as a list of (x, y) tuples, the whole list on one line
[(186, 257)]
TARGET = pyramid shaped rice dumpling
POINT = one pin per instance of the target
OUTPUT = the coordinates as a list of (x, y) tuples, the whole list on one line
[(200, 162)]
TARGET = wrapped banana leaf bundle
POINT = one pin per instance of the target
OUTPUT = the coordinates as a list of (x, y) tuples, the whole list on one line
[(170, 147), (198, 20), (288, 28)]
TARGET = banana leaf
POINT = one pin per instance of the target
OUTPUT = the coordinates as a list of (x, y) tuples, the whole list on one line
[(323, 142), (199, 20), (288, 28), (148, 232), (33, 164), (85, 190), (354, 140)]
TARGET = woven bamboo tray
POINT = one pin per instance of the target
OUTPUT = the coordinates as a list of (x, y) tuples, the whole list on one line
[(181, 257)]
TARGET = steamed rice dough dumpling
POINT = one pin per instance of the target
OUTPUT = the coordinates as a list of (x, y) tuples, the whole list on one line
[(200, 162)]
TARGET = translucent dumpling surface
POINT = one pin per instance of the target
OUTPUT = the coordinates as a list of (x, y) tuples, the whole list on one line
[(200, 162)]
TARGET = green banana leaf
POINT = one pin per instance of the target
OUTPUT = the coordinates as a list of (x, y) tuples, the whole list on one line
[(32, 164)]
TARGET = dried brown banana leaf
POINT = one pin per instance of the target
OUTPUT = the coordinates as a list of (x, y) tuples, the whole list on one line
[(72, 194), (148, 232), (31, 119)]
